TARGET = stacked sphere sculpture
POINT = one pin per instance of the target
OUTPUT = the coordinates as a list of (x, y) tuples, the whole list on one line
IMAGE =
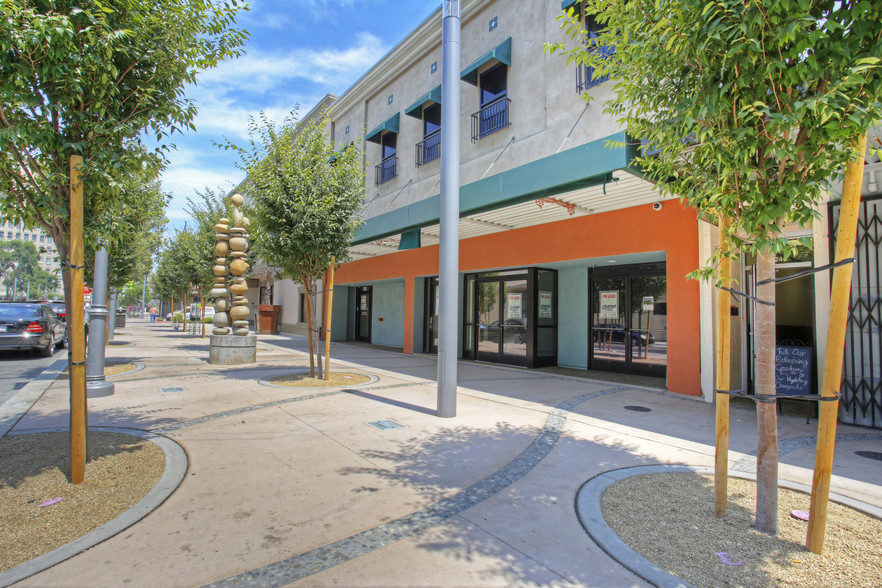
[(230, 305)]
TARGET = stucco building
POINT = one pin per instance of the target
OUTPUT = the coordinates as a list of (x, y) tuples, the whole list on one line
[(568, 256)]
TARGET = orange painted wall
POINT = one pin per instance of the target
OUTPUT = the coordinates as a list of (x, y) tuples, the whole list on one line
[(674, 229)]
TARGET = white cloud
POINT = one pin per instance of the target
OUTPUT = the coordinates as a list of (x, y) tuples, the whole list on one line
[(260, 71)]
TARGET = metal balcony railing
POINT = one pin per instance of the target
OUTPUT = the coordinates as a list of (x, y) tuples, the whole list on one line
[(386, 170), (428, 149), (584, 73), (491, 118)]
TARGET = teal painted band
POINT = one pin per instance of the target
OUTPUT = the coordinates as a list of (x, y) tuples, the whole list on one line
[(587, 165), (416, 109), (567, 4), (390, 125), (501, 53)]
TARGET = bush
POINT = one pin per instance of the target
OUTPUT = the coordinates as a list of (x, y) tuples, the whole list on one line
[(178, 317)]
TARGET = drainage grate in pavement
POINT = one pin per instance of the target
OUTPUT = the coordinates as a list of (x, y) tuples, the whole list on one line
[(638, 408), (385, 425), (870, 454), (172, 389)]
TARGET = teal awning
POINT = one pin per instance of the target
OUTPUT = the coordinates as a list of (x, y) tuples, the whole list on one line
[(389, 126), (500, 54), (416, 109), (339, 152), (568, 4)]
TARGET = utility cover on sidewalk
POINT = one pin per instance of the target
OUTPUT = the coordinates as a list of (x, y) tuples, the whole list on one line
[(172, 389), (385, 425)]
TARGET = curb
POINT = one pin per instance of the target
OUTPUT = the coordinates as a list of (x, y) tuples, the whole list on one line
[(176, 465), (590, 514)]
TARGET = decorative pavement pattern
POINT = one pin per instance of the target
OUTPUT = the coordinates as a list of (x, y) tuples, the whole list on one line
[(312, 562)]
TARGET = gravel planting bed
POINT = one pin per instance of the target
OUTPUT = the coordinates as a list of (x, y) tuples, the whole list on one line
[(668, 519), (335, 380), (33, 472)]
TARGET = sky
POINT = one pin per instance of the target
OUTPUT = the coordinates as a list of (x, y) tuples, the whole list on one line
[(297, 52)]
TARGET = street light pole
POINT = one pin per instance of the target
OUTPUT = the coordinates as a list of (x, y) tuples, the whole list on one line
[(448, 263)]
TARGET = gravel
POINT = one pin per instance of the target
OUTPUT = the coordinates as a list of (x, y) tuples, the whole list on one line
[(33, 471), (335, 380), (669, 520)]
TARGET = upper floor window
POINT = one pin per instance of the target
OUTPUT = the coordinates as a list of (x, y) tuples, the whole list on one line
[(493, 115), (585, 75), (490, 74), (386, 136), (430, 147)]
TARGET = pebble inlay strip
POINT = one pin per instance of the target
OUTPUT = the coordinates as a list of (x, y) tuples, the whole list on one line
[(312, 562)]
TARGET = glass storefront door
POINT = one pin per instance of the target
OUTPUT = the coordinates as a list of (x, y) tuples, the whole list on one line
[(430, 345), (363, 313), (629, 320), (511, 317)]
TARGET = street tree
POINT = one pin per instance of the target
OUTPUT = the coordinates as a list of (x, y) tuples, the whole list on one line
[(206, 209), (303, 201), (172, 279), (82, 84), (19, 262), (746, 111), (95, 79)]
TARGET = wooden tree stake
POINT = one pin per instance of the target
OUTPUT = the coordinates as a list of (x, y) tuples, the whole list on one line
[(330, 290), (724, 328), (849, 211), (78, 439)]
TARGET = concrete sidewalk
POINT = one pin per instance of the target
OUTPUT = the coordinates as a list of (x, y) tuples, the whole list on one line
[(296, 486)]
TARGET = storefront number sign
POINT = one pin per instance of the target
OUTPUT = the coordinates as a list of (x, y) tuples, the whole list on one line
[(515, 310), (609, 304), (545, 305)]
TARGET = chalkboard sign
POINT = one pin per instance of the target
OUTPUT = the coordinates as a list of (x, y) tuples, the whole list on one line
[(793, 370)]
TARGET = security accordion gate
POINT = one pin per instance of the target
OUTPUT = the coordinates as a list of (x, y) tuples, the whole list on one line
[(861, 389)]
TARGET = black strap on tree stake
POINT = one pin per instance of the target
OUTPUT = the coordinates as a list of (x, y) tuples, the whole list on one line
[(770, 398)]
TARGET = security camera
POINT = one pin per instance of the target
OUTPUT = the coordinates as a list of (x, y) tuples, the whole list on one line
[(656, 205)]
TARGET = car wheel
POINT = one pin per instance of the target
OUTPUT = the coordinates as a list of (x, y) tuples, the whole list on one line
[(49, 350), (63, 343)]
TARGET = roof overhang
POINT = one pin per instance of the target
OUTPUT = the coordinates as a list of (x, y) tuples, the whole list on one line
[(590, 179)]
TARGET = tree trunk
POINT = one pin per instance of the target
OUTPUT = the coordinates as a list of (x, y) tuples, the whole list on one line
[(767, 424)]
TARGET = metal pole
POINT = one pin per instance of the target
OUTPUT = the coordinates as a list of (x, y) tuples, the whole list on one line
[(28, 295), (448, 264), (144, 297), (96, 385), (111, 317)]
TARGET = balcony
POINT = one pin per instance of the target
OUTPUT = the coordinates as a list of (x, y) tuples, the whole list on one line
[(429, 149), (584, 73), (387, 170), (492, 117)]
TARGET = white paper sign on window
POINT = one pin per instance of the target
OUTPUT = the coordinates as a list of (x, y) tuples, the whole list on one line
[(545, 305), (515, 309), (609, 304)]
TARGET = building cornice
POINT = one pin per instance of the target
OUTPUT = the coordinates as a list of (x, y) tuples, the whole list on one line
[(424, 38)]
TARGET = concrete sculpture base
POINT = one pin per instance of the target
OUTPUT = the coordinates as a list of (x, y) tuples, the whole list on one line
[(233, 349)]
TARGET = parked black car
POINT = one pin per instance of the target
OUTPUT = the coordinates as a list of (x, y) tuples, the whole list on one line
[(31, 325), (602, 333)]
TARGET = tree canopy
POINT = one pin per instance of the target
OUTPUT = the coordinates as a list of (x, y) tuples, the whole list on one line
[(745, 108), (93, 79), (302, 198)]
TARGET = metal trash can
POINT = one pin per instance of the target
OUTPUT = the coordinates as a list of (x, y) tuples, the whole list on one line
[(120, 318)]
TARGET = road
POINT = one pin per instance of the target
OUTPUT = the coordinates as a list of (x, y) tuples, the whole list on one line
[(17, 368)]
